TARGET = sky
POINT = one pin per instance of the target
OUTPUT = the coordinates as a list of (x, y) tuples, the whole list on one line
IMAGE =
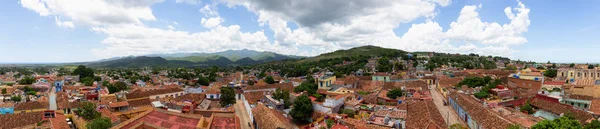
[(51, 31)]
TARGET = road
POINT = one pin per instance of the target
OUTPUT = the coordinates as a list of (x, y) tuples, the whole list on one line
[(446, 111), (240, 111), (52, 99)]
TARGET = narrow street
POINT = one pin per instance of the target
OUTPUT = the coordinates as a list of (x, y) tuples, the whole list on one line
[(52, 98), (241, 112), (449, 115)]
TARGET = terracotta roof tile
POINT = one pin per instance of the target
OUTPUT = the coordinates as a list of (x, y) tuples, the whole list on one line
[(424, 114), (254, 97), (480, 114), (595, 106), (139, 102), (283, 86), (118, 104), (555, 108), (31, 105), (19, 119), (140, 94), (270, 119)]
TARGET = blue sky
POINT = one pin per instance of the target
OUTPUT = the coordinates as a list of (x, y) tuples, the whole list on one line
[(87, 30)]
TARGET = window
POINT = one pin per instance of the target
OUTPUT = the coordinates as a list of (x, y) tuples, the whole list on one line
[(156, 97), (562, 74)]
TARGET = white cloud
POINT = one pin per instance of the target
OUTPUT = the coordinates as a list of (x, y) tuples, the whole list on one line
[(139, 40), (189, 1), (211, 22), (95, 12), (355, 23), (175, 23), (64, 24), (339, 24)]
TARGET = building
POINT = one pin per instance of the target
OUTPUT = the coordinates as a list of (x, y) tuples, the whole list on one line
[(265, 118), (571, 75), (424, 114), (379, 76), (157, 93), (325, 82), (474, 113), (550, 110), (523, 87)]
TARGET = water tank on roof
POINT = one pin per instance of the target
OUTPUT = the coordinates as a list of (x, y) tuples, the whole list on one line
[(537, 79), (399, 101)]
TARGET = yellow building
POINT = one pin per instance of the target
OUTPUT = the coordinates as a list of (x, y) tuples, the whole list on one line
[(325, 82)]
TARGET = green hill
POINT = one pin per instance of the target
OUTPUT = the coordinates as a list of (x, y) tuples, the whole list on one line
[(368, 50)]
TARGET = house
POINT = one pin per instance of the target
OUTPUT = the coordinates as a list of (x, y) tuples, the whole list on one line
[(157, 93), (474, 113), (32, 106), (20, 120), (550, 111), (325, 82), (430, 80), (155, 118), (380, 76), (119, 106), (58, 85), (269, 101), (424, 114), (579, 101), (265, 118), (389, 117), (524, 88), (270, 88), (7, 108)]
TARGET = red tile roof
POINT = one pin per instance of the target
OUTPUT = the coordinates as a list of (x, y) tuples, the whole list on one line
[(483, 116), (118, 104), (555, 108), (59, 121), (424, 114), (595, 106), (141, 94), (283, 86), (270, 119), (163, 119), (19, 119)]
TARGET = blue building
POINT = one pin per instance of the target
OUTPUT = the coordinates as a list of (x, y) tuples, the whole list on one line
[(7, 109), (474, 113), (59, 85)]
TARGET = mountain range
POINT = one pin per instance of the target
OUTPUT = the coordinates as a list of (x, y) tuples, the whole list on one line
[(224, 58), (235, 58)]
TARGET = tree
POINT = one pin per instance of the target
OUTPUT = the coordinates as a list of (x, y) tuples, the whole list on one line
[(203, 81), (595, 124), (88, 111), (117, 87), (250, 82), (514, 126), (348, 112), (269, 80), (3, 90), (383, 65), (481, 95), (100, 123), (457, 126), (16, 98), (310, 88), (31, 92), (511, 67), (27, 81), (227, 96), (302, 109), (559, 123), (394, 93), (527, 108), (550, 73), (329, 123), (283, 95), (83, 72), (572, 65), (261, 74), (590, 66), (87, 81)]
